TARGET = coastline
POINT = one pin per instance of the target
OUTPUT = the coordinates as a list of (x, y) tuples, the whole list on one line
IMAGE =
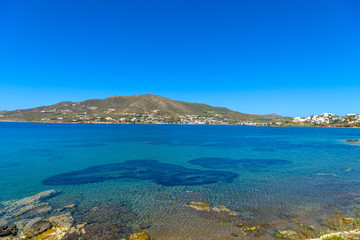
[(115, 123)]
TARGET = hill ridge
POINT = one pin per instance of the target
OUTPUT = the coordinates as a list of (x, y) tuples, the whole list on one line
[(118, 108)]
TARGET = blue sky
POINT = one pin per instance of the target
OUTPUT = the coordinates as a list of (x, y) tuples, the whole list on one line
[(288, 57)]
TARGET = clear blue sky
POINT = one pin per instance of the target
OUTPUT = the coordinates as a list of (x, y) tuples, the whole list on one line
[(297, 57)]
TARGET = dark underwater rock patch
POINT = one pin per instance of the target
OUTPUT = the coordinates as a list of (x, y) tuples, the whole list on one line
[(8, 230), (236, 163), (160, 173)]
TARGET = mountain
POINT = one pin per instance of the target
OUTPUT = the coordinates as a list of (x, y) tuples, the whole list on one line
[(271, 116), (146, 106)]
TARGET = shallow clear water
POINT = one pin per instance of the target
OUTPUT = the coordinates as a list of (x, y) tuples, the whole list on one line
[(264, 174)]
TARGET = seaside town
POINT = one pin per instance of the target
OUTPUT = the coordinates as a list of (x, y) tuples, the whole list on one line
[(158, 117), (154, 117), (329, 119)]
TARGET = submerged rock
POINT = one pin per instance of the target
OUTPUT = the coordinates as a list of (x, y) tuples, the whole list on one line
[(8, 230), (31, 219), (33, 229), (160, 173), (145, 225), (78, 229), (287, 234), (105, 222), (200, 206), (139, 236), (28, 201), (69, 206), (221, 212), (253, 228), (349, 235), (64, 221), (54, 228), (350, 220), (223, 209), (27, 207), (240, 224)]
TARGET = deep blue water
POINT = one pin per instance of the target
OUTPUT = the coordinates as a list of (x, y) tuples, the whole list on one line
[(262, 173)]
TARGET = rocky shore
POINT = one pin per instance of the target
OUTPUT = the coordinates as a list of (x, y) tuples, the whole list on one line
[(346, 235), (33, 218)]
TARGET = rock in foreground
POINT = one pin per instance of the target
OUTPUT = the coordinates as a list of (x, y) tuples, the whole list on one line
[(8, 230), (200, 206), (27, 207), (287, 234), (139, 236)]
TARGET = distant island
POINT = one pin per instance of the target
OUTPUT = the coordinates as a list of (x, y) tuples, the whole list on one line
[(154, 109), (145, 109)]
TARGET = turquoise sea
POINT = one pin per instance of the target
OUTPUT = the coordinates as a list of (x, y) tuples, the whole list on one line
[(270, 176)]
